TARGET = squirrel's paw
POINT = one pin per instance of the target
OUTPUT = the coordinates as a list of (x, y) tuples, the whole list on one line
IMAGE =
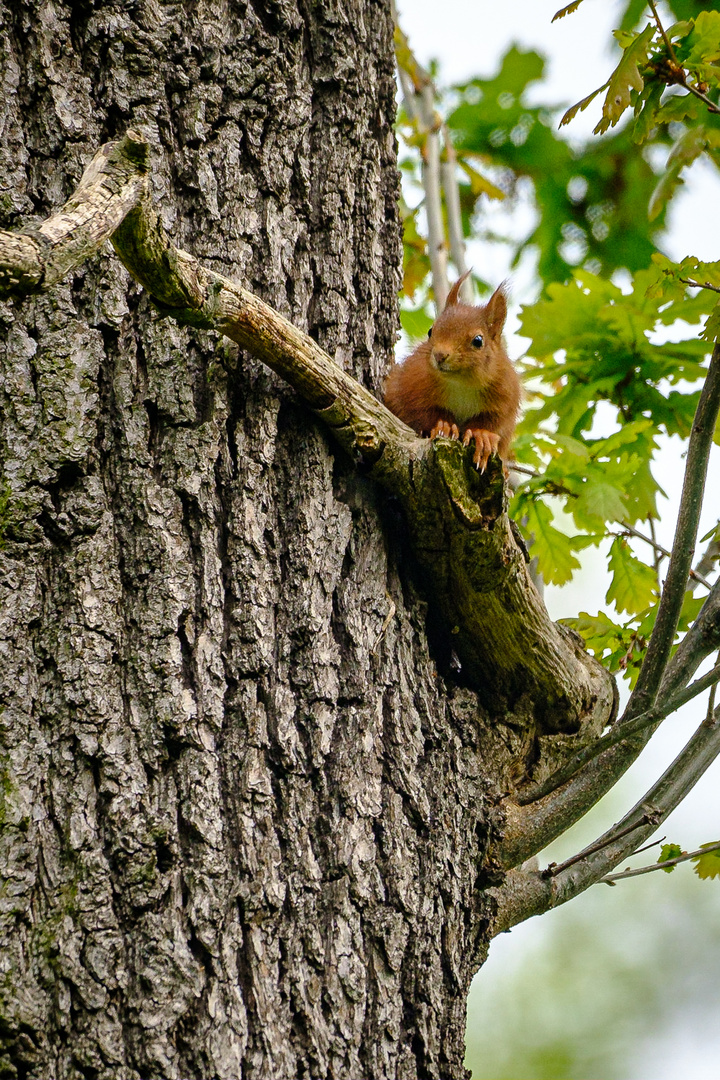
[(486, 444), (446, 430)]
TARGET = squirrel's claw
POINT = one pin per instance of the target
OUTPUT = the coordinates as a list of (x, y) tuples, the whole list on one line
[(486, 444), (446, 430)]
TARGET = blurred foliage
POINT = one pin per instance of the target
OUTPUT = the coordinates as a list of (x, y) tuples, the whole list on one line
[(589, 994), (604, 379)]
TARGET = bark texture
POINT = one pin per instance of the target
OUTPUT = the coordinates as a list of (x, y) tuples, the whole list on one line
[(244, 802)]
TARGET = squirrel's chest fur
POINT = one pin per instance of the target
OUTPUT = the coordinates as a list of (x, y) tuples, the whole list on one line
[(460, 395)]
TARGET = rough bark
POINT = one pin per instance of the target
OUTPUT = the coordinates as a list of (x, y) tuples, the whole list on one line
[(244, 812)]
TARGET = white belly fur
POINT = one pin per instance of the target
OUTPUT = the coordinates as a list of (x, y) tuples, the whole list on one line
[(460, 397)]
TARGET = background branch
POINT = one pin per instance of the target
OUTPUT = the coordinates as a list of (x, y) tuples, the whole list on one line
[(439, 170)]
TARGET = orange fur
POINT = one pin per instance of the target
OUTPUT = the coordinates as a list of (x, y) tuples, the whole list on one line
[(448, 382)]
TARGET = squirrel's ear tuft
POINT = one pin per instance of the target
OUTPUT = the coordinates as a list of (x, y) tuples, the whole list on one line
[(454, 292), (496, 310)]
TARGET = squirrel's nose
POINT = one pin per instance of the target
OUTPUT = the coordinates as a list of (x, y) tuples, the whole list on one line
[(439, 356)]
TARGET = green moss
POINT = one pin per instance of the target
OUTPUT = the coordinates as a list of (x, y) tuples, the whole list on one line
[(7, 787), (4, 510)]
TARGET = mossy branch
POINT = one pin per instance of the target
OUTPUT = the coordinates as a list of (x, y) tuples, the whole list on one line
[(474, 571)]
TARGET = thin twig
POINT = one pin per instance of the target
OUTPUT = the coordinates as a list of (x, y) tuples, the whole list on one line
[(554, 869), (646, 847), (711, 106), (526, 470), (699, 284), (610, 879), (660, 550), (666, 39)]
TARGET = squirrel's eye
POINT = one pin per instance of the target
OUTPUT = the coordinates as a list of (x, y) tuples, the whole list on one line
[(477, 341), (430, 332)]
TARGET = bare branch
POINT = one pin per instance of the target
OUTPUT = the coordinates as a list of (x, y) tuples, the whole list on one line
[(702, 638), (620, 734), (554, 869), (38, 257), (699, 284), (660, 550), (527, 893)]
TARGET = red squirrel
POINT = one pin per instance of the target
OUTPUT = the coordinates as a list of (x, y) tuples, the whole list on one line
[(460, 382)]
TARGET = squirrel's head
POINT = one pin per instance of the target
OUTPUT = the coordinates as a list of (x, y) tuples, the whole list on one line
[(467, 340)]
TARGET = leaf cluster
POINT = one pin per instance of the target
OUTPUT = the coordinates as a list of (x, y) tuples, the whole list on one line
[(592, 347), (670, 78), (601, 358), (707, 864), (590, 199)]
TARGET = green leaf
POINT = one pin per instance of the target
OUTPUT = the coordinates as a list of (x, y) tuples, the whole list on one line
[(619, 648), (690, 610), (634, 584), (479, 184), (582, 105), (602, 500), (553, 549), (707, 865), (625, 78), (566, 10), (702, 45), (687, 149), (647, 110), (415, 322), (669, 851), (711, 331), (679, 107)]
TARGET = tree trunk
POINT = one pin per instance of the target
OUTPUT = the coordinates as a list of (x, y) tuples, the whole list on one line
[(245, 798)]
